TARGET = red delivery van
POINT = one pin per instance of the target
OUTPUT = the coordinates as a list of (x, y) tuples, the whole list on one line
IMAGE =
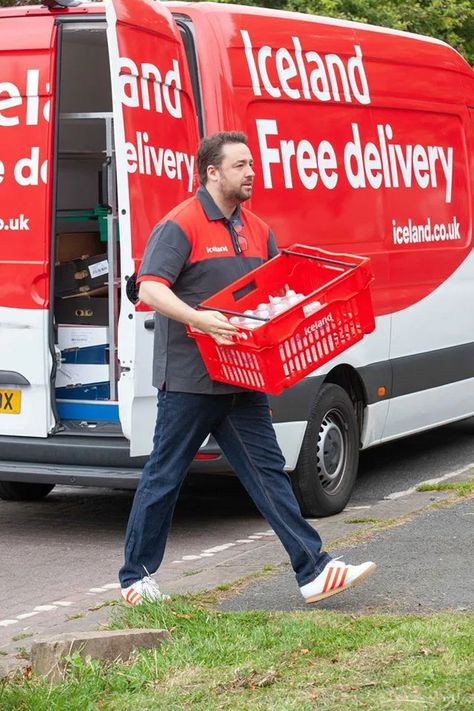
[(363, 140)]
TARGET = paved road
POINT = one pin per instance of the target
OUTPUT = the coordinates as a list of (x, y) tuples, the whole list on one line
[(423, 566), (59, 557)]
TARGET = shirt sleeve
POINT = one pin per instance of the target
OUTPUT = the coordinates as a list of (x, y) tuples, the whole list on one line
[(166, 254), (272, 246)]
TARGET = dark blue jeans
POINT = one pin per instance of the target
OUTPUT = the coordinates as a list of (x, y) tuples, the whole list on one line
[(241, 424)]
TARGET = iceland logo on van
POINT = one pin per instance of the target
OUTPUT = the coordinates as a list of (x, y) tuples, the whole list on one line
[(136, 82), (318, 76)]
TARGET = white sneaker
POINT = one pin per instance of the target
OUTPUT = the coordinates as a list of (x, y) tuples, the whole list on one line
[(336, 577), (144, 589)]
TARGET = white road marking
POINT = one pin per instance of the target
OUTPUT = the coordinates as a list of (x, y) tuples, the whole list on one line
[(218, 549), (210, 552), (55, 605), (429, 482), (356, 508)]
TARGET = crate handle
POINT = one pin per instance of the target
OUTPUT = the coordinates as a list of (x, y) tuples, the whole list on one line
[(232, 313), (319, 259), (244, 290)]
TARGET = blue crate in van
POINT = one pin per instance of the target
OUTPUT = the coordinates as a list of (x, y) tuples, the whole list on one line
[(91, 391), (91, 355), (98, 411)]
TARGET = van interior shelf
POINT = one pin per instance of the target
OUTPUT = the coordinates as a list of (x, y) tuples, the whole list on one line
[(94, 115), (82, 154), (76, 214)]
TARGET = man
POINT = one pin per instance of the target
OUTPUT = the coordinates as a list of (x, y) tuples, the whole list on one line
[(201, 246)]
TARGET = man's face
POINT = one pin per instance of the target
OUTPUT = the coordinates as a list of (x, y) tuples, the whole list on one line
[(235, 174)]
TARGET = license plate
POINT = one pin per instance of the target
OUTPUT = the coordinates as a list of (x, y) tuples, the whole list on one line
[(10, 402)]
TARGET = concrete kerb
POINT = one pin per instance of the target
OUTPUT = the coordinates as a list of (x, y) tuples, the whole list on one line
[(11, 666), (50, 655)]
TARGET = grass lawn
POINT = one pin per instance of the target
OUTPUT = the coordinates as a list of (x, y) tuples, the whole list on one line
[(253, 661), (461, 488)]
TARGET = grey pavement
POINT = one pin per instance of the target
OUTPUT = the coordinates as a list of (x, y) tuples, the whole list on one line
[(424, 565)]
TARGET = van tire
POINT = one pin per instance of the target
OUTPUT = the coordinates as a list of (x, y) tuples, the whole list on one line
[(327, 466), (23, 491)]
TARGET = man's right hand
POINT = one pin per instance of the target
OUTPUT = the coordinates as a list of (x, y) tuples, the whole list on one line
[(216, 325)]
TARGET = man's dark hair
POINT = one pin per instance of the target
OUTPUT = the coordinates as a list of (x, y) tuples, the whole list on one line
[(210, 150)]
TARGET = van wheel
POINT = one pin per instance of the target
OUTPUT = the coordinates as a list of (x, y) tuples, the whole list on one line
[(329, 457), (23, 491)]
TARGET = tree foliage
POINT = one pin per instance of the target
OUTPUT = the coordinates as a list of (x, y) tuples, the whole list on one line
[(449, 20)]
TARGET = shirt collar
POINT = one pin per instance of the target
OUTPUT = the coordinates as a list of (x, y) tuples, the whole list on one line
[(212, 211)]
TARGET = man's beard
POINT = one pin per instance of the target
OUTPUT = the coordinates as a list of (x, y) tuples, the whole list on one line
[(236, 195)]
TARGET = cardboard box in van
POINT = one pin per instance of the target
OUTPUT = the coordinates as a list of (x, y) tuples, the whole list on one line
[(77, 245), (73, 374), (82, 310), (82, 336), (81, 275)]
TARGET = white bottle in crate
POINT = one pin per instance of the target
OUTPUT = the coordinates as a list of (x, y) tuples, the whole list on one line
[(276, 305), (250, 322), (279, 308), (311, 308), (263, 311), (292, 298)]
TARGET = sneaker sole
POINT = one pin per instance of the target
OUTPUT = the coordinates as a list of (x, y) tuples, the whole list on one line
[(330, 593)]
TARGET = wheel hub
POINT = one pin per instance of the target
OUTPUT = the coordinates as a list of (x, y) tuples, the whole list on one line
[(331, 451)]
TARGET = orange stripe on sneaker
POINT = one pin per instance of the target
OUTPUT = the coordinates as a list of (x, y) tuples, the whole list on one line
[(133, 597), (328, 579), (334, 580), (343, 578)]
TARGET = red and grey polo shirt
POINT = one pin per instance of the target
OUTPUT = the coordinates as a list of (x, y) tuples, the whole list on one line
[(196, 251)]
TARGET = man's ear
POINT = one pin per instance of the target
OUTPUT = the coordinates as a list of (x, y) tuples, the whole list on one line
[(212, 173)]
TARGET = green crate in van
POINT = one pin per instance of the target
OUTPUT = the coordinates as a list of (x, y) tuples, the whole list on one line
[(101, 215)]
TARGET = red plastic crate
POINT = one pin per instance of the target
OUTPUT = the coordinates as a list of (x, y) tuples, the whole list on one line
[(281, 351)]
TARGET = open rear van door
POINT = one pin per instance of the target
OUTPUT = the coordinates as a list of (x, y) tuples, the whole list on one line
[(156, 135), (27, 77)]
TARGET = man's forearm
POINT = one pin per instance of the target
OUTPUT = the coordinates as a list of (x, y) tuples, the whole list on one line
[(162, 299)]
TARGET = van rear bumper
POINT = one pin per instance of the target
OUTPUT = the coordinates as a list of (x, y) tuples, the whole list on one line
[(86, 461)]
